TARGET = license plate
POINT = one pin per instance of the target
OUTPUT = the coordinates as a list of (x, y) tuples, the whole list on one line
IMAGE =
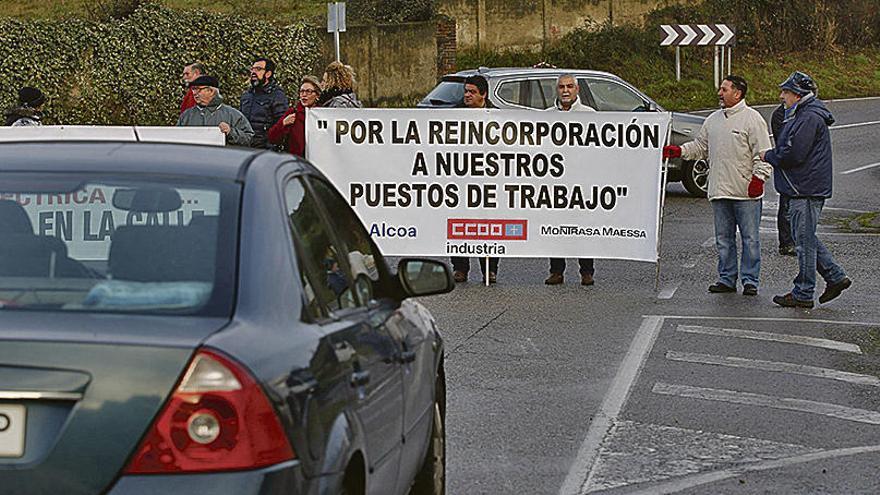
[(12, 422)]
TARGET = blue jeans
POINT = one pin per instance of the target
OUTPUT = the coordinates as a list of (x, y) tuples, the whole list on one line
[(745, 214), (803, 213)]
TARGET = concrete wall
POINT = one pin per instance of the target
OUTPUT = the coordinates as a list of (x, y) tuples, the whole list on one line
[(394, 63), (532, 24)]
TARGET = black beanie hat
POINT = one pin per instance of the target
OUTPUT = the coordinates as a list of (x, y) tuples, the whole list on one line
[(31, 97)]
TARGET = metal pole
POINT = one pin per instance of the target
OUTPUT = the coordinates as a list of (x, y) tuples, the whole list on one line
[(715, 66), (336, 42), (678, 63), (723, 55), (729, 59)]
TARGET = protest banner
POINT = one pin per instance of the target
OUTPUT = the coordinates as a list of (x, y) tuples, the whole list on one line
[(465, 182)]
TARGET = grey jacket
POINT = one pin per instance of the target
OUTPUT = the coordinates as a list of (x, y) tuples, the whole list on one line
[(215, 113)]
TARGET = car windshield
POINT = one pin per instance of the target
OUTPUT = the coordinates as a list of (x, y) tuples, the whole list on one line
[(448, 92), (117, 243)]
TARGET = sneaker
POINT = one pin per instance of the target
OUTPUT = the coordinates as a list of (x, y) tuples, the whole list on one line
[(750, 290), (459, 277), (718, 288), (788, 301), (587, 279), (834, 290), (787, 251), (555, 279)]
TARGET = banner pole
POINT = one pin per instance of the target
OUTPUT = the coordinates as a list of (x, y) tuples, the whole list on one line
[(662, 208), (487, 271)]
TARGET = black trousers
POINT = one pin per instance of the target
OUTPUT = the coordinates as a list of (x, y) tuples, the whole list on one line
[(462, 264), (557, 265), (782, 223)]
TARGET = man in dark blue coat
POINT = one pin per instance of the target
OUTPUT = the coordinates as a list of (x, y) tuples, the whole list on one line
[(802, 169), (264, 102)]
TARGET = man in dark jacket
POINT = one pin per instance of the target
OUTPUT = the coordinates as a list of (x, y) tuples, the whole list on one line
[(264, 102), (786, 244), (802, 169)]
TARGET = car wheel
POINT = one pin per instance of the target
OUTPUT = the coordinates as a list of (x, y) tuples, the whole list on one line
[(695, 177), (431, 478)]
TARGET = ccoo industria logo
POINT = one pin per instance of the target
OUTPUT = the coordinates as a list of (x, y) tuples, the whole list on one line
[(486, 229)]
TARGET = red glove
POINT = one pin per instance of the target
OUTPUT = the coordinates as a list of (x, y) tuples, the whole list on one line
[(756, 187), (671, 151)]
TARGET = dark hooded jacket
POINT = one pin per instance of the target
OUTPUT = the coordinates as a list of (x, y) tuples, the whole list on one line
[(263, 106), (801, 160), (22, 116)]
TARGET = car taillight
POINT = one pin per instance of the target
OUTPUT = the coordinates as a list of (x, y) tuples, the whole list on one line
[(218, 419)]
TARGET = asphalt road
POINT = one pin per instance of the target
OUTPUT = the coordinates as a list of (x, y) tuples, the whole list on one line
[(624, 388)]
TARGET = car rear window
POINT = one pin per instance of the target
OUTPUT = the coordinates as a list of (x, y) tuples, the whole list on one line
[(101, 243), (448, 92)]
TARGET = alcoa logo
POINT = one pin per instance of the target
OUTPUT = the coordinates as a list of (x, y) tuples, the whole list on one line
[(486, 229)]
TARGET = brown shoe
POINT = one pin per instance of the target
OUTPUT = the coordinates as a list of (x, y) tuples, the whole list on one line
[(587, 279), (555, 279), (459, 277), (493, 277)]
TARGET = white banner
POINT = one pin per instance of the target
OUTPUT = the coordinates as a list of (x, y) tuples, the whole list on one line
[(154, 134), (464, 182)]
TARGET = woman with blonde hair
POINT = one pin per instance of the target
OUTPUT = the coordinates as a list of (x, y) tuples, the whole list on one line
[(338, 86)]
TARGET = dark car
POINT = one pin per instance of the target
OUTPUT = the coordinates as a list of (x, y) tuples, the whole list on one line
[(194, 319), (532, 88)]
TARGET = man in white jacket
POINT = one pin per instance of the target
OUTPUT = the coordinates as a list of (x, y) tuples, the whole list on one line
[(568, 100), (732, 138)]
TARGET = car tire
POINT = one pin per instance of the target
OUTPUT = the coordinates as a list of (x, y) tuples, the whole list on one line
[(431, 478), (695, 177)]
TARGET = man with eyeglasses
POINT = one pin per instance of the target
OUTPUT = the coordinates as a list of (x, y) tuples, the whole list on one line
[(264, 102), (210, 111)]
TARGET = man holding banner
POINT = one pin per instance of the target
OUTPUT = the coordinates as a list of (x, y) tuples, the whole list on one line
[(568, 100), (476, 90), (732, 138)]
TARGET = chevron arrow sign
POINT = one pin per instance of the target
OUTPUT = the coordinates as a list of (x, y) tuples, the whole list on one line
[(697, 34)]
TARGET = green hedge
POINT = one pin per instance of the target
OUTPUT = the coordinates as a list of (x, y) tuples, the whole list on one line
[(127, 72)]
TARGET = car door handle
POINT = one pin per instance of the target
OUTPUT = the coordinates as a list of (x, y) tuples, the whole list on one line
[(407, 357), (360, 378)]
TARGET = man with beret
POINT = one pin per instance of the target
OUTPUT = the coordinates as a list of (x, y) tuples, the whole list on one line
[(211, 111), (27, 112), (802, 171)]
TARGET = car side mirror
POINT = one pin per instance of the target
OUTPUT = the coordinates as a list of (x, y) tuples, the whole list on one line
[(651, 107), (423, 277)]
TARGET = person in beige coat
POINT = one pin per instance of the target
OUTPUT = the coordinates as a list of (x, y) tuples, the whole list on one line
[(732, 139)]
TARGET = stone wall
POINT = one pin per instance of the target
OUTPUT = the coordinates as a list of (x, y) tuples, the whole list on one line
[(394, 63), (532, 24)]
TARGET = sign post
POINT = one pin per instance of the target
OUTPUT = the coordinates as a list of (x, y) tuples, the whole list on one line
[(336, 22), (720, 36)]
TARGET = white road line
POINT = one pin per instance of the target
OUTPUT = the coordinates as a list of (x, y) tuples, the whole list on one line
[(761, 400), (859, 169), (669, 291), (709, 242), (764, 318), (774, 366), (614, 400), (767, 230), (772, 337), (688, 482), (857, 124)]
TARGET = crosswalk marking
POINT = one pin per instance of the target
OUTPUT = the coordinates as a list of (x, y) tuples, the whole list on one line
[(757, 364), (786, 403), (773, 337)]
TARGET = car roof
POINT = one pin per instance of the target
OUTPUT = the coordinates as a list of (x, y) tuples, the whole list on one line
[(152, 158), (516, 71)]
